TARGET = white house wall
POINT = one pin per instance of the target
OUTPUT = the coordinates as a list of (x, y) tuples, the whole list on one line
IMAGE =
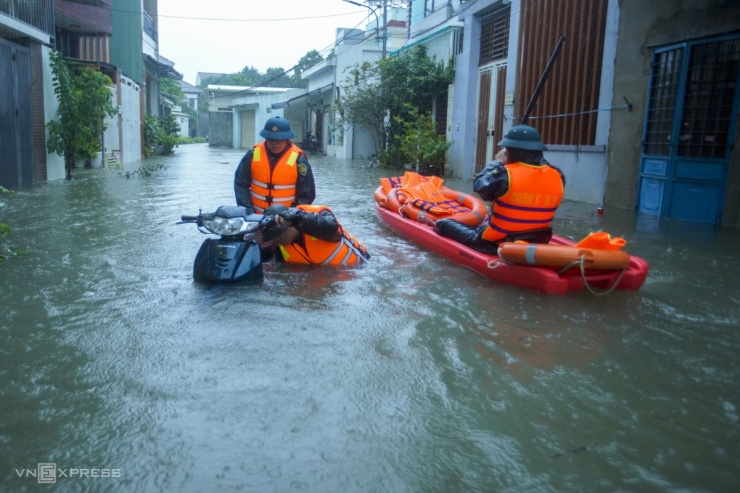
[(261, 105), (353, 142), (111, 136), (54, 162), (130, 121), (357, 142), (465, 106)]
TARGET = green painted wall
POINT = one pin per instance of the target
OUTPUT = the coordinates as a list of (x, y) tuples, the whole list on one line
[(126, 42)]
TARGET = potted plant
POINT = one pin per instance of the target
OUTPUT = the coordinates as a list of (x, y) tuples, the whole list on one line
[(84, 102), (420, 142)]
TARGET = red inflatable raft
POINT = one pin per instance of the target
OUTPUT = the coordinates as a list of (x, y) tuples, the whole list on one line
[(571, 268)]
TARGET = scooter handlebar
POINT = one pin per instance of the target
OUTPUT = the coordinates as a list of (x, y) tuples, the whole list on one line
[(189, 219)]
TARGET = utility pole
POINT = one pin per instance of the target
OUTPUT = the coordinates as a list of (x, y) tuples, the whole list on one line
[(377, 21), (385, 26)]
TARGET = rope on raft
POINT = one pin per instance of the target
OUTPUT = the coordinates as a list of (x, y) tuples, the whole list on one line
[(496, 262), (582, 263), (493, 263)]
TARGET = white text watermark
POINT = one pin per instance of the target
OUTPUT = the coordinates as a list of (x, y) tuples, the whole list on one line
[(48, 472)]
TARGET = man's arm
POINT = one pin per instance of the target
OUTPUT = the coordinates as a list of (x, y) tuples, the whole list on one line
[(322, 225), (492, 182), (243, 182)]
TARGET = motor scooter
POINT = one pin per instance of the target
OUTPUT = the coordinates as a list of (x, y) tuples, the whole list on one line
[(235, 255)]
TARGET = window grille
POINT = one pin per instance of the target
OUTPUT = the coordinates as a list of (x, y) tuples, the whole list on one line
[(707, 113), (666, 71), (707, 99), (494, 36)]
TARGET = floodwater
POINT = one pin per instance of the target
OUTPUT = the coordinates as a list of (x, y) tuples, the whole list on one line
[(410, 374)]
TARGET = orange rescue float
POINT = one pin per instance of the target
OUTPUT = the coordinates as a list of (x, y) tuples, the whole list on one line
[(475, 215), (563, 256)]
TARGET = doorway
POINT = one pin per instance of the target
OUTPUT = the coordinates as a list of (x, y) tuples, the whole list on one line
[(689, 129), (491, 93)]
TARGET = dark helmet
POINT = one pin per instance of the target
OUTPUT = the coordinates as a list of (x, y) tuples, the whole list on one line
[(272, 231), (277, 128), (523, 137)]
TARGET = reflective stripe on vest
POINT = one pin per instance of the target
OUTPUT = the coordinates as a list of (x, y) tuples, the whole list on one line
[(273, 185), (342, 252), (347, 250)]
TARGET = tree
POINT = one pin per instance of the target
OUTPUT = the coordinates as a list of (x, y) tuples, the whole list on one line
[(411, 82), (361, 102), (381, 96), (170, 133), (84, 101), (307, 61), (172, 88), (276, 77), (5, 250), (152, 134), (420, 142)]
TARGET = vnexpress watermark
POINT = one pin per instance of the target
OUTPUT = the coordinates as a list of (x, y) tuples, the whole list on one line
[(48, 472)]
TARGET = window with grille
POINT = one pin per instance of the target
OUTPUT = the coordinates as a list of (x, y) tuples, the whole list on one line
[(666, 71), (710, 89), (706, 112), (494, 36)]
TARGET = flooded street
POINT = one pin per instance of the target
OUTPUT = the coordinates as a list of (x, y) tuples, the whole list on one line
[(410, 374)]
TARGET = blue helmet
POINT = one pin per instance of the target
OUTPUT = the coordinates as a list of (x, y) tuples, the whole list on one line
[(277, 128)]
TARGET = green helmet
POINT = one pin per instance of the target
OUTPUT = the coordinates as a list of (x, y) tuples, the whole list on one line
[(277, 128), (523, 137)]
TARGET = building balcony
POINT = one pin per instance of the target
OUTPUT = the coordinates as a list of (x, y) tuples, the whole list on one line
[(38, 14)]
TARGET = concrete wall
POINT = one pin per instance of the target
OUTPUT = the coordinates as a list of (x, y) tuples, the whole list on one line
[(220, 125), (643, 27), (54, 162), (464, 120)]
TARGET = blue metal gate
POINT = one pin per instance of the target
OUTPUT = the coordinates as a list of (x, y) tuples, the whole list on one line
[(16, 136), (689, 128)]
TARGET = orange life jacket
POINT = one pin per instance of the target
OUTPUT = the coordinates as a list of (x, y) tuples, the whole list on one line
[(409, 179), (312, 250), (274, 186), (530, 203)]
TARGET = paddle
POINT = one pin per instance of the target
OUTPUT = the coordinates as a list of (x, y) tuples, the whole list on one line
[(543, 78)]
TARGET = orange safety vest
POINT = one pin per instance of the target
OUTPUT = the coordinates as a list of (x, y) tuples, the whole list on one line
[(426, 196), (274, 186), (530, 203), (315, 251)]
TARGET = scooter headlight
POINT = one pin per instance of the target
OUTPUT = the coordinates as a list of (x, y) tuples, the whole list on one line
[(229, 226)]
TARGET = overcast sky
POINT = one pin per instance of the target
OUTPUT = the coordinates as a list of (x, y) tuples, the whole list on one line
[(224, 36)]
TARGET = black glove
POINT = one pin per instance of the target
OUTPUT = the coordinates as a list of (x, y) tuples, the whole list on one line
[(293, 215)]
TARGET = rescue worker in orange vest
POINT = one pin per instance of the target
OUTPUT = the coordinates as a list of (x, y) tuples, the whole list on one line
[(310, 234), (275, 171), (524, 189)]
